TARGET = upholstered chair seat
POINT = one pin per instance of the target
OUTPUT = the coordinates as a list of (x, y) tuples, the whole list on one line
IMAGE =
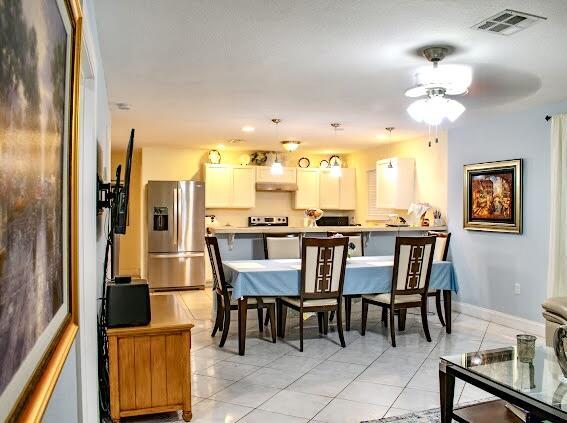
[(398, 299)]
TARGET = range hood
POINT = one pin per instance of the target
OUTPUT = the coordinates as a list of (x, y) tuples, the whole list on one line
[(276, 186)]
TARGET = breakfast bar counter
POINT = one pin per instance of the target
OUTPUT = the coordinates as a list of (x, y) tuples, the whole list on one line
[(320, 229)]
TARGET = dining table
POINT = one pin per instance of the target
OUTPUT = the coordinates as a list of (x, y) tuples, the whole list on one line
[(363, 275)]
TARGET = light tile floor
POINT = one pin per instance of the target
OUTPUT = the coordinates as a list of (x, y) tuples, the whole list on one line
[(326, 383)]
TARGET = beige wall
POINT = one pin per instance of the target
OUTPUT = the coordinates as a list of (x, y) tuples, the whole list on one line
[(130, 242), (430, 168)]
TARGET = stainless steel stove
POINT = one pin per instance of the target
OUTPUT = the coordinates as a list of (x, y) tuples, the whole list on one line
[(267, 221)]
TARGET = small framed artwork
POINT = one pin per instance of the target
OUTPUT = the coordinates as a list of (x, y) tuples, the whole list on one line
[(492, 196)]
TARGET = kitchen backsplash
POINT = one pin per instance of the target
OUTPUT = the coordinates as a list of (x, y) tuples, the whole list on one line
[(268, 204)]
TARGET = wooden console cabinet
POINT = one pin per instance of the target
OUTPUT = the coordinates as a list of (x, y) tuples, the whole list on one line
[(149, 366)]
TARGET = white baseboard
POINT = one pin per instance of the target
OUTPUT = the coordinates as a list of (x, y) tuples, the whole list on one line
[(504, 319)]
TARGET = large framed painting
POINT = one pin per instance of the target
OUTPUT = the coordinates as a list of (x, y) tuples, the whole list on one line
[(40, 43), (493, 196)]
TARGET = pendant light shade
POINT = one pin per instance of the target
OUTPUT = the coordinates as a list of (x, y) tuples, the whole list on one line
[(276, 168), (290, 145)]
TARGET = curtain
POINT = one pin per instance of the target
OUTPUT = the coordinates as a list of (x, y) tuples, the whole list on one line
[(557, 265)]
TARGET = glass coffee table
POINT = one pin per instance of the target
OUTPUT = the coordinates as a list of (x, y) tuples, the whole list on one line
[(535, 385)]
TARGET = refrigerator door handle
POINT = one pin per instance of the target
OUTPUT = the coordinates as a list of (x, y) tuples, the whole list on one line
[(177, 255), (175, 217)]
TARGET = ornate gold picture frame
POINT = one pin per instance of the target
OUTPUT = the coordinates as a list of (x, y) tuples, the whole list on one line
[(492, 196), (39, 120)]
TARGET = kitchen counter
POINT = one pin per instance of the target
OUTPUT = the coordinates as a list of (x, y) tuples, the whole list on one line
[(319, 229)]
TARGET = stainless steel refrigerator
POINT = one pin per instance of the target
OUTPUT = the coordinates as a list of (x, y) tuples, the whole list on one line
[(176, 230)]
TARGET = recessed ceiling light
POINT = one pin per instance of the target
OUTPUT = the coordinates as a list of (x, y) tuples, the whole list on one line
[(248, 128)]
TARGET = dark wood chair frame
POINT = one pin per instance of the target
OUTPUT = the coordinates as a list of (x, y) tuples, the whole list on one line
[(392, 307), (224, 306), (348, 298), (437, 293), (282, 304)]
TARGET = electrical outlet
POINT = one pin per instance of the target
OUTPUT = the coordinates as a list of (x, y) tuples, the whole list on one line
[(517, 288)]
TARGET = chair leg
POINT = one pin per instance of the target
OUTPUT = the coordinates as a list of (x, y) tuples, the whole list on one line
[(325, 322), (267, 320), (320, 317), (424, 319), (439, 308), (218, 318), (283, 316), (300, 331), (385, 316), (340, 325), (348, 306), (279, 316), (260, 319), (402, 319), (332, 316), (271, 310), (392, 327), (226, 326), (364, 317)]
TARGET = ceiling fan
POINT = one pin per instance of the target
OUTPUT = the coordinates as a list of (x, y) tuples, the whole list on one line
[(434, 84)]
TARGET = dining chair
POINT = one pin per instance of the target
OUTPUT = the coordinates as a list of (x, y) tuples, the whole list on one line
[(225, 301), (410, 283), (354, 238), (282, 246), (323, 263), (441, 251)]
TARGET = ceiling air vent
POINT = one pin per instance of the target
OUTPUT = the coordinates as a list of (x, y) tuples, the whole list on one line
[(508, 22)]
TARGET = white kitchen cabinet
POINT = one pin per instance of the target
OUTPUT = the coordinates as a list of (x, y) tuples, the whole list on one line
[(337, 192), (229, 186), (329, 190), (218, 186), (307, 194), (347, 188), (395, 186), (243, 187), (264, 175)]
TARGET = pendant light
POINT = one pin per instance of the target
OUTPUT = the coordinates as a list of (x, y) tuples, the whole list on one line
[(336, 170), (390, 129), (276, 168)]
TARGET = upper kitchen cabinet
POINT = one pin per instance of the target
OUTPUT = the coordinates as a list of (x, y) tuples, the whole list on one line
[(347, 179), (337, 192), (229, 186), (395, 184), (264, 175), (307, 194)]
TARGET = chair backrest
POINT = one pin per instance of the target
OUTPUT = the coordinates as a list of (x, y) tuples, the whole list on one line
[(412, 265), (219, 282), (282, 246), (441, 244), (354, 238), (323, 263)]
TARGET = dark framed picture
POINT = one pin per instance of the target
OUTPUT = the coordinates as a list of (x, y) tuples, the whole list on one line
[(38, 190), (492, 196)]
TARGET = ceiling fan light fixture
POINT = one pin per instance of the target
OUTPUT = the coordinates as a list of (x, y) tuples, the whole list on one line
[(291, 145), (434, 109)]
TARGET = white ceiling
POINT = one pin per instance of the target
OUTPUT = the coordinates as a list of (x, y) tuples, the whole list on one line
[(195, 72)]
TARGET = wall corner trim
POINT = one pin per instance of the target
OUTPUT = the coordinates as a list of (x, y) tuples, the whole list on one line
[(504, 319)]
